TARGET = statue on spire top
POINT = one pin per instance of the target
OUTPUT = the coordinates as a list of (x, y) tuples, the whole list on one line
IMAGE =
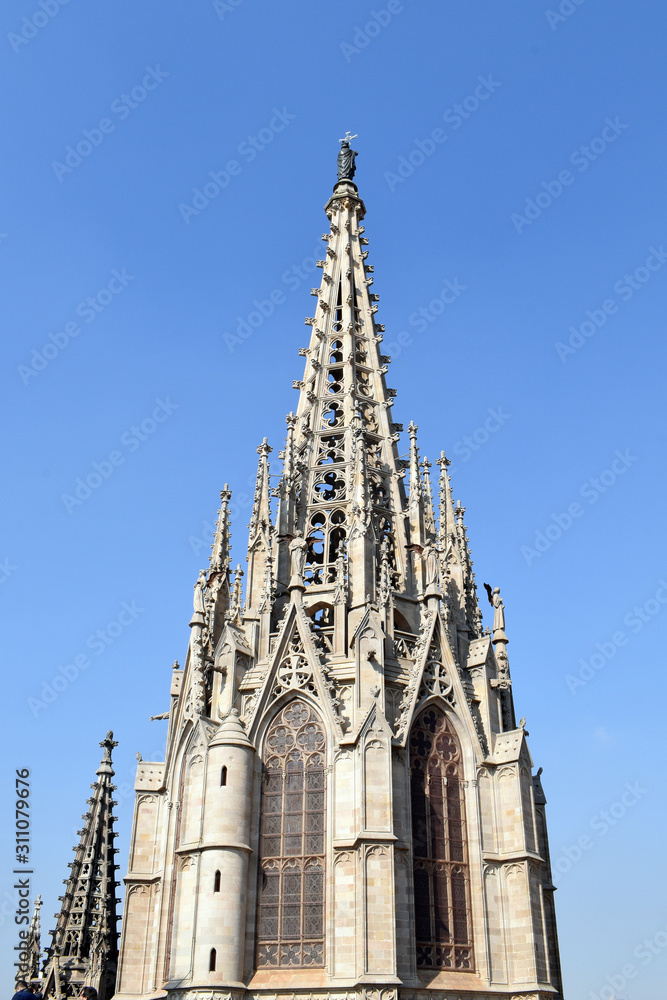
[(346, 158)]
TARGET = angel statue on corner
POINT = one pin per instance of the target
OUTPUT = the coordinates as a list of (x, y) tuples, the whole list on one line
[(498, 608)]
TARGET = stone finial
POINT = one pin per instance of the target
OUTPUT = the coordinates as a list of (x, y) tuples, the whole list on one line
[(415, 478), (108, 744), (429, 513), (219, 561)]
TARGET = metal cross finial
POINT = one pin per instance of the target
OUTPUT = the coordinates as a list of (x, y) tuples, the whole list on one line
[(348, 137)]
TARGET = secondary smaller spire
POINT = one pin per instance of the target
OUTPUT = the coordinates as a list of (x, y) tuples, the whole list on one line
[(84, 946)]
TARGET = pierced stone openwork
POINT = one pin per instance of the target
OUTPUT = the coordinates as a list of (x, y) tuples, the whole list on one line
[(322, 623), (361, 352), (333, 415), (326, 542), (294, 671), (369, 419), (331, 450), (364, 383), (441, 877), (329, 487), (336, 352), (436, 680), (290, 916)]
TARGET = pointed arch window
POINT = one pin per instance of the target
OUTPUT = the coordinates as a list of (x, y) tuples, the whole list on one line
[(290, 916), (441, 875), (326, 542)]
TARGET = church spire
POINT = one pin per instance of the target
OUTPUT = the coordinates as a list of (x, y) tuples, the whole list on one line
[(348, 477), (351, 696), (84, 946)]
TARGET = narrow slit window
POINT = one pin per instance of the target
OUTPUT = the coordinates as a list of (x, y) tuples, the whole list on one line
[(211, 961), (216, 882), (223, 775)]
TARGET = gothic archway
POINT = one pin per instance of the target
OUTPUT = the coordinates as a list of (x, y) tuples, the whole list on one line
[(290, 911), (443, 930)]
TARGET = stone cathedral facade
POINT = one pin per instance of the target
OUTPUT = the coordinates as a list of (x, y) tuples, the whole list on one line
[(347, 807)]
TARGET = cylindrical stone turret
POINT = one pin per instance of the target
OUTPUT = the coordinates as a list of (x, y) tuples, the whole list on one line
[(225, 850)]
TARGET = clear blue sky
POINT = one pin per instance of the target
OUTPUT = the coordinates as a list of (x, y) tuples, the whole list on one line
[(543, 191)]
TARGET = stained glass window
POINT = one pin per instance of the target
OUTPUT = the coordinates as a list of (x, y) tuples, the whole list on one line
[(291, 872), (441, 876)]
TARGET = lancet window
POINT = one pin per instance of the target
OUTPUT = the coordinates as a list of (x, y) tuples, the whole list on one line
[(441, 874), (290, 915), (322, 621), (361, 352), (326, 542), (338, 312), (336, 352)]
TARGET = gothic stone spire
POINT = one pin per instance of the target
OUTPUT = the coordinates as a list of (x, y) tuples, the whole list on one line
[(359, 640), (84, 946)]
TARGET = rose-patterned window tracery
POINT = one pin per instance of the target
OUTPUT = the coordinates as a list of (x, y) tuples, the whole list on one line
[(290, 914), (441, 878)]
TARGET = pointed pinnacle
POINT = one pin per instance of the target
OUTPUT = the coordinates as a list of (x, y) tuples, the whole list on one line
[(415, 479), (428, 496), (219, 558)]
